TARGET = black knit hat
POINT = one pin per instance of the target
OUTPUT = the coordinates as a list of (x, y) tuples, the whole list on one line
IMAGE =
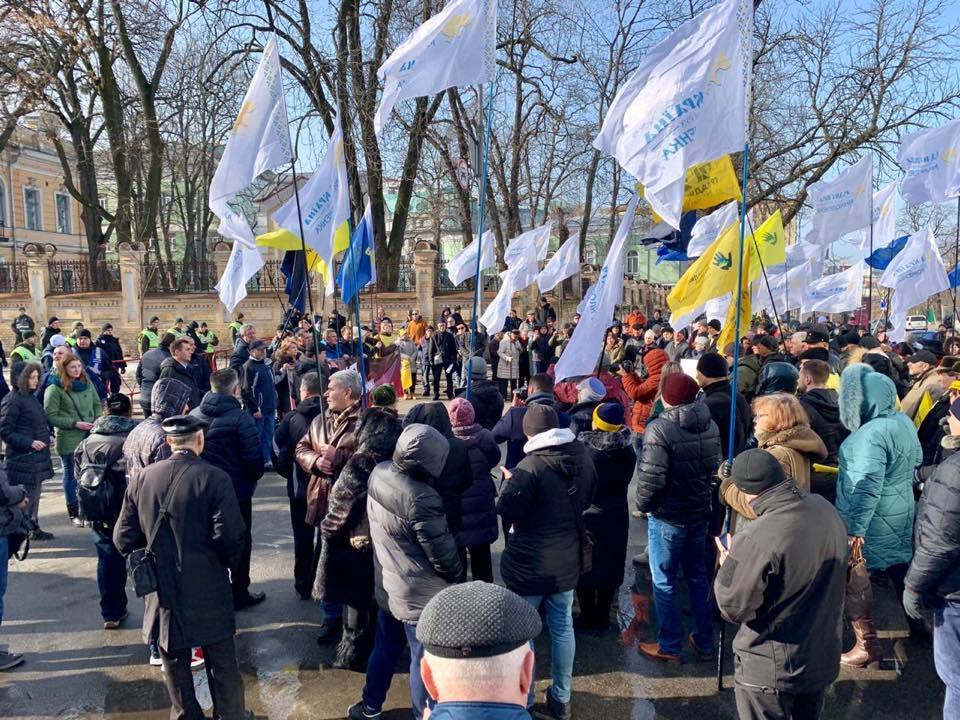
[(715, 324), (815, 353), (476, 619), (755, 471), (769, 342), (712, 365), (539, 418)]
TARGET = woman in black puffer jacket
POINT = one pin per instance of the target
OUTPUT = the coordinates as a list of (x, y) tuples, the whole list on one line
[(478, 505), (24, 429), (609, 446), (345, 570)]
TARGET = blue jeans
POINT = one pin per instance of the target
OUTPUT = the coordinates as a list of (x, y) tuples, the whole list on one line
[(392, 636), (4, 550), (69, 480), (563, 644), (946, 653), (673, 548), (111, 577), (265, 426)]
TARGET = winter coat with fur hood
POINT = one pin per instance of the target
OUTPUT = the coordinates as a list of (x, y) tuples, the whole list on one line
[(345, 570), (542, 500), (875, 485)]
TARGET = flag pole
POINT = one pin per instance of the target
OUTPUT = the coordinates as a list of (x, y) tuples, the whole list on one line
[(354, 262), (870, 286), (733, 380), (956, 254), (480, 207)]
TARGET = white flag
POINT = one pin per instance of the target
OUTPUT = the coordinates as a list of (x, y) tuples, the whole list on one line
[(534, 243), (788, 288), (564, 263), (512, 280), (586, 299), (801, 252), (715, 309), (686, 104), (914, 274), (843, 205), (454, 47), (836, 293), (464, 263), (583, 350), (884, 219), (324, 202), (931, 161), (259, 140), (707, 229)]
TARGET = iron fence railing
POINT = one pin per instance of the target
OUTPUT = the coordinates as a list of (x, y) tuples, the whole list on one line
[(13, 278), (75, 276)]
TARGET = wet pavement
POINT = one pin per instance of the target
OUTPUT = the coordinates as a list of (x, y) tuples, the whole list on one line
[(75, 669)]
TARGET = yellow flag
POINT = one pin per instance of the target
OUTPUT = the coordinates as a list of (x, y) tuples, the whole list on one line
[(707, 185), (728, 334), (711, 275), (285, 240), (772, 244)]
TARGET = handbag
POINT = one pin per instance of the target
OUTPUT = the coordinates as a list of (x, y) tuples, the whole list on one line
[(142, 562), (859, 592)]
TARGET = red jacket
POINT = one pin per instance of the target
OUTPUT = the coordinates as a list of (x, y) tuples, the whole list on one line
[(644, 392)]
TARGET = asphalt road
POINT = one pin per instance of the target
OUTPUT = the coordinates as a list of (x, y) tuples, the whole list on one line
[(75, 669)]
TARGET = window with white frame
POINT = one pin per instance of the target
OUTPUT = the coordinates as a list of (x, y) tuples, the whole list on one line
[(590, 255), (633, 262), (63, 213), (31, 208)]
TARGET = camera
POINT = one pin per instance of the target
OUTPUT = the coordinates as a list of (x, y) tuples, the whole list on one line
[(627, 366), (521, 393)]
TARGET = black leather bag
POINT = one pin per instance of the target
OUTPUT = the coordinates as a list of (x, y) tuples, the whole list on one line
[(142, 563)]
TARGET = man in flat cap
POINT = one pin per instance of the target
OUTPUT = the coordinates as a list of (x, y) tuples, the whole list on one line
[(186, 512), (477, 659), (783, 578)]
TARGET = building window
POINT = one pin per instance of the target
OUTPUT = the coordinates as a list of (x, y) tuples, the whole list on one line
[(633, 262), (63, 213), (31, 208), (590, 254)]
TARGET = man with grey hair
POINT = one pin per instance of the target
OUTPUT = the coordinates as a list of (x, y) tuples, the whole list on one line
[(185, 512), (477, 659), (321, 454), (241, 351)]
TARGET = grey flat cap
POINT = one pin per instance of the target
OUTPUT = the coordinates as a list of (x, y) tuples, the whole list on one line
[(476, 619)]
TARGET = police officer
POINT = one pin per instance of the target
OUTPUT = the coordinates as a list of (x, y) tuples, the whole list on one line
[(149, 337), (178, 330), (235, 328), (25, 352), (197, 540)]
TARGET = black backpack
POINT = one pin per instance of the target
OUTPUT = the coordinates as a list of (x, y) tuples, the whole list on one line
[(96, 494)]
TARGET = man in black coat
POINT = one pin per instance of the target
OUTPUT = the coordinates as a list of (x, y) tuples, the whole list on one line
[(509, 428), (783, 578), (195, 546), (442, 358), (712, 376), (545, 312), (113, 364), (295, 424), (148, 370), (484, 394), (147, 442), (21, 323), (823, 408), (241, 351), (933, 579), (232, 444), (543, 499), (178, 367), (675, 471)]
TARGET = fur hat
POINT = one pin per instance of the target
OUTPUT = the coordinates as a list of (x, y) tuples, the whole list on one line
[(461, 412), (383, 396)]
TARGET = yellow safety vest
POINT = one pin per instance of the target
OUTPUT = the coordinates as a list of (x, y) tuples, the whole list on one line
[(207, 340), (176, 333), (25, 353), (153, 339)]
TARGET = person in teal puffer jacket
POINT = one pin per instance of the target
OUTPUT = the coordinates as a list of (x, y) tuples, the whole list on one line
[(875, 488)]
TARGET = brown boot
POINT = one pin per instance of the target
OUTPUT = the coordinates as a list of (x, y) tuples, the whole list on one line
[(866, 652)]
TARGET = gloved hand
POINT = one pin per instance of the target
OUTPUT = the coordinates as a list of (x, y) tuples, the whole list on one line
[(725, 470), (912, 604)]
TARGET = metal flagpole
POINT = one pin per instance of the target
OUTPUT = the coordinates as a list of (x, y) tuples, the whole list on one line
[(733, 382), (763, 269), (870, 287), (356, 297), (956, 256), (480, 207)]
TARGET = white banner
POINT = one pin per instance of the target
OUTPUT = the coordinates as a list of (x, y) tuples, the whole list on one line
[(512, 280), (464, 263), (842, 205), (836, 293), (564, 263), (533, 243), (583, 350), (708, 228), (454, 47), (788, 288), (259, 140), (931, 161), (914, 274), (686, 104)]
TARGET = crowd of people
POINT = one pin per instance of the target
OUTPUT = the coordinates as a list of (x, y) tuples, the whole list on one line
[(834, 469)]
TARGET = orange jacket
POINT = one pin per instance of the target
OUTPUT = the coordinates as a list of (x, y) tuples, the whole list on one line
[(644, 392)]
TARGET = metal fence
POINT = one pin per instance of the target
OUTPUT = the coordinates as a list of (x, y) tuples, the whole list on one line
[(268, 279), (443, 285), (75, 276), (184, 277), (13, 278)]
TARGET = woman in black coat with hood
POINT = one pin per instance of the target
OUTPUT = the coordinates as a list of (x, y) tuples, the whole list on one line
[(345, 571), (26, 433), (456, 476), (607, 519)]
